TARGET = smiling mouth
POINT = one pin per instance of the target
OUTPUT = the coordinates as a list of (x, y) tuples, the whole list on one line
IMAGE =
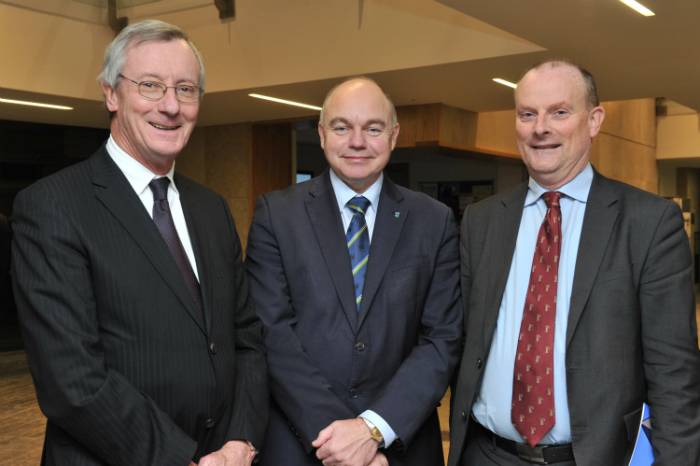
[(547, 146), (164, 128)]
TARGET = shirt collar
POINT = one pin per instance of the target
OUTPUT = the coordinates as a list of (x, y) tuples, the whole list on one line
[(577, 189), (137, 174), (343, 192)]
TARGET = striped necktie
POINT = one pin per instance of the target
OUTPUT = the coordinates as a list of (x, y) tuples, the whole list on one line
[(358, 243)]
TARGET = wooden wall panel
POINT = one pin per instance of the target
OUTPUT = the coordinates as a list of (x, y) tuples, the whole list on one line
[(270, 159), (458, 126), (626, 161), (496, 131), (418, 123), (634, 120)]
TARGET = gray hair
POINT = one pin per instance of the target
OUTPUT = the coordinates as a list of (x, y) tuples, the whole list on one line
[(134, 35), (394, 118), (590, 91)]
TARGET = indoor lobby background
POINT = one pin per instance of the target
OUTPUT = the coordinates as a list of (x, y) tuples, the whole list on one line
[(436, 58)]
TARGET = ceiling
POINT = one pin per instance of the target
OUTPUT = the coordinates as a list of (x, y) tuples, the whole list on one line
[(420, 51)]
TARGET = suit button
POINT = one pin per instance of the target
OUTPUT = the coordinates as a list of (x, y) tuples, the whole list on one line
[(360, 346), (210, 423), (478, 363), (464, 416), (353, 393), (213, 348)]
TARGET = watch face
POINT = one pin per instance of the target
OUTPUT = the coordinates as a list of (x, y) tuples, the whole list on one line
[(376, 435)]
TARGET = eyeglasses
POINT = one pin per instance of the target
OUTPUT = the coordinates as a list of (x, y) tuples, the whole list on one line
[(154, 90)]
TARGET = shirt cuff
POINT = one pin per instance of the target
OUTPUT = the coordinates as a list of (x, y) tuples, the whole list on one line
[(386, 431)]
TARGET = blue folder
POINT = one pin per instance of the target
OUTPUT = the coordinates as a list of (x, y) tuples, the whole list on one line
[(643, 454)]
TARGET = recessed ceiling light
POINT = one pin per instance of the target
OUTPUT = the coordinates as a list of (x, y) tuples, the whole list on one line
[(287, 102), (35, 104), (639, 8), (505, 83)]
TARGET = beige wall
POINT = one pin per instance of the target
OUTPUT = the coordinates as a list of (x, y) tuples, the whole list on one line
[(678, 137), (219, 157)]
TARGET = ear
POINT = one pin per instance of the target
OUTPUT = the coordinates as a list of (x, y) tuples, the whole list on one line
[(595, 120), (394, 136), (321, 134), (111, 100)]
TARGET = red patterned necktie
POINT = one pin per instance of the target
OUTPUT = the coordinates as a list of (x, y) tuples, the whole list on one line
[(532, 411)]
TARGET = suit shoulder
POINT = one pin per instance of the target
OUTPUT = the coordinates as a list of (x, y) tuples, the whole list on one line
[(187, 184), (634, 199), (68, 181), (423, 201)]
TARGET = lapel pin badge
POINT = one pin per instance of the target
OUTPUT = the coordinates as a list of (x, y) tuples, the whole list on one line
[(397, 214)]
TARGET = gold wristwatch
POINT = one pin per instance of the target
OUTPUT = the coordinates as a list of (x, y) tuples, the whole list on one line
[(374, 432)]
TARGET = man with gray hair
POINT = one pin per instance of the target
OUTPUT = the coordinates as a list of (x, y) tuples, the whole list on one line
[(139, 330)]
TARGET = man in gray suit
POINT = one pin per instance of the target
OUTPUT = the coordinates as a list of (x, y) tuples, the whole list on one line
[(563, 347), (140, 333), (357, 283)]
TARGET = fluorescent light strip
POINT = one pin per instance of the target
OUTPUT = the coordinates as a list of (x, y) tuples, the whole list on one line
[(287, 102), (639, 8), (35, 104), (505, 83)]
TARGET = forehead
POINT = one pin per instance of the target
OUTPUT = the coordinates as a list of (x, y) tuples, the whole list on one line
[(551, 84), (162, 57), (358, 99)]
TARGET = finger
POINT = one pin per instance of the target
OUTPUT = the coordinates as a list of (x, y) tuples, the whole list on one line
[(323, 436)]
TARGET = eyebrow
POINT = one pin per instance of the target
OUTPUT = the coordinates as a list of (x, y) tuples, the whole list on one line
[(343, 121)]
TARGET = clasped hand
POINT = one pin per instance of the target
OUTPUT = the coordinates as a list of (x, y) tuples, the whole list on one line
[(348, 443)]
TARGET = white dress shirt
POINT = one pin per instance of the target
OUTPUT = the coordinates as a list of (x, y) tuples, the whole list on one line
[(343, 194), (139, 177), (493, 405)]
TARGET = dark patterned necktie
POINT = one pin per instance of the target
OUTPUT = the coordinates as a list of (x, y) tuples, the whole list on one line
[(358, 243), (532, 411), (164, 221)]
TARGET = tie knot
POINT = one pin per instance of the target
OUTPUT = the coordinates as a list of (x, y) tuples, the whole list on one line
[(551, 198), (159, 186), (359, 204)]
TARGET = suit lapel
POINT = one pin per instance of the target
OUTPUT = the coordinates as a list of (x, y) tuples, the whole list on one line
[(116, 194), (504, 235), (195, 219), (387, 228), (327, 224), (598, 222)]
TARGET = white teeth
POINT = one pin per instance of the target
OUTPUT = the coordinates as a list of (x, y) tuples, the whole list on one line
[(167, 128)]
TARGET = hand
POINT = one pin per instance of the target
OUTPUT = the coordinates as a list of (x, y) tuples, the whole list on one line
[(346, 443), (233, 453), (379, 460), (192, 463)]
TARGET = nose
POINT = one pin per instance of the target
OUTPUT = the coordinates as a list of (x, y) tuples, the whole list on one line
[(542, 125), (357, 139), (169, 103)]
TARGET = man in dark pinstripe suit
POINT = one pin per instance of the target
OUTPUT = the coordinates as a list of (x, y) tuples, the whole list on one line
[(143, 351)]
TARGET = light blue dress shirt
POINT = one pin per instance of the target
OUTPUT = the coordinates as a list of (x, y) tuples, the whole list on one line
[(493, 405), (343, 193)]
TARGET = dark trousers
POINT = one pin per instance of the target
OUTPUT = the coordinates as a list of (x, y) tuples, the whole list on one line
[(479, 451)]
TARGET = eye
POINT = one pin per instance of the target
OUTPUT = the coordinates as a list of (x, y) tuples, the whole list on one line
[(340, 130), (560, 113), (186, 89), (372, 131), (149, 85), (526, 115)]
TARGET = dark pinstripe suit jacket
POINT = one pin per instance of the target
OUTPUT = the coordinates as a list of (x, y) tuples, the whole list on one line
[(125, 370)]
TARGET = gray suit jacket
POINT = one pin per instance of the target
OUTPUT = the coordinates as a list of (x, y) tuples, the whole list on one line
[(125, 370), (327, 360), (631, 335)]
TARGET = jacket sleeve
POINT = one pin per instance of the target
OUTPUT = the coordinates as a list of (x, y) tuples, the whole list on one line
[(252, 398), (298, 385), (670, 343), (53, 288)]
